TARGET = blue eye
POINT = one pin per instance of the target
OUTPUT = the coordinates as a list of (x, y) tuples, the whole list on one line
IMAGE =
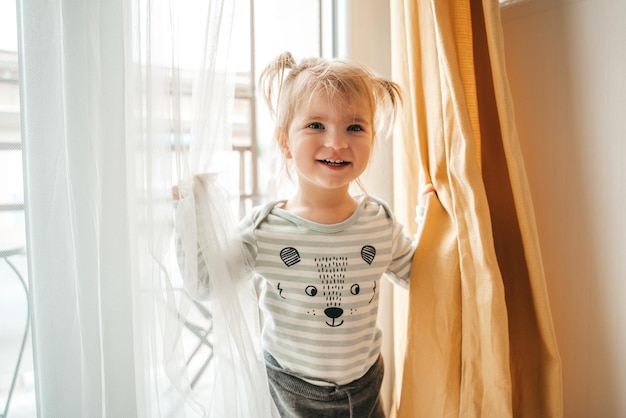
[(355, 128), (316, 125)]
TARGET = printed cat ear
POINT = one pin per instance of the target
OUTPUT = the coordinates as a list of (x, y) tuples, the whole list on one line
[(290, 256), (368, 253)]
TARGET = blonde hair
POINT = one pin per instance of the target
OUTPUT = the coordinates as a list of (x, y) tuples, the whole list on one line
[(285, 84)]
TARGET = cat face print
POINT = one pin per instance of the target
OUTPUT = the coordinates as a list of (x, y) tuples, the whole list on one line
[(332, 296)]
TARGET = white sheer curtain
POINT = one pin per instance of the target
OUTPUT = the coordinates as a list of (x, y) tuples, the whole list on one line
[(103, 142)]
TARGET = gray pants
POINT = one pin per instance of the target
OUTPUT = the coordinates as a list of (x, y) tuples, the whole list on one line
[(296, 398)]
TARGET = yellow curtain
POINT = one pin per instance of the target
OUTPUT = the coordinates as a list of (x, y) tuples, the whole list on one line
[(480, 339)]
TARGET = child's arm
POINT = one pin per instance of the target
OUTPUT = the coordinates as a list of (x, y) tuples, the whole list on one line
[(190, 231), (208, 245)]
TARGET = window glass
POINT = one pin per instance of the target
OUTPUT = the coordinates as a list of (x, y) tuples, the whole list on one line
[(280, 25), (18, 390)]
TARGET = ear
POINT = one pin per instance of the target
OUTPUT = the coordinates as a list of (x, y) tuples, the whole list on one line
[(283, 144)]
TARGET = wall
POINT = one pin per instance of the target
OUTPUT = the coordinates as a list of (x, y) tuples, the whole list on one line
[(567, 65)]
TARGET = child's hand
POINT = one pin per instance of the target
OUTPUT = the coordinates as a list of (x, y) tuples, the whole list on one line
[(175, 193), (199, 183), (423, 194)]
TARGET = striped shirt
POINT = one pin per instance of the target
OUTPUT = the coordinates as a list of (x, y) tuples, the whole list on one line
[(320, 286)]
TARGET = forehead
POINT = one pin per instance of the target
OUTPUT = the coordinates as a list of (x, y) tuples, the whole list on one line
[(341, 105)]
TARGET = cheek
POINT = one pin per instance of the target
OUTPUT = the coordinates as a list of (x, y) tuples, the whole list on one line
[(364, 157), (365, 150), (302, 147), (369, 150)]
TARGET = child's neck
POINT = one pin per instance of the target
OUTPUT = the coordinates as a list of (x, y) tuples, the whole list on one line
[(330, 209)]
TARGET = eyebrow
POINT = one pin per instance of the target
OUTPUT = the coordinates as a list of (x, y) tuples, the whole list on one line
[(317, 116), (361, 120)]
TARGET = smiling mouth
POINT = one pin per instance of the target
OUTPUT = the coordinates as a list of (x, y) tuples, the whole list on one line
[(334, 163)]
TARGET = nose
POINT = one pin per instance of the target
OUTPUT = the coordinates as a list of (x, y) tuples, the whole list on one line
[(333, 312), (336, 141)]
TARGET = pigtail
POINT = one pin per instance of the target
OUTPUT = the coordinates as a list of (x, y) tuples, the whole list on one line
[(388, 99), (272, 78), (388, 89)]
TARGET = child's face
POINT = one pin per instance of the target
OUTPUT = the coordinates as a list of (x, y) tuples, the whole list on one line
[(330, 144)]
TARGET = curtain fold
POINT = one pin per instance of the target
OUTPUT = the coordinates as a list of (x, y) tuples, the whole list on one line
[(480, 336), (72, 79), (116, 110)]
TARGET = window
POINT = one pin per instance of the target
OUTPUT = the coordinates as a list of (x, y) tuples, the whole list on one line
[(17, 393), (11, 193), (258, 37), (252, 159)]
